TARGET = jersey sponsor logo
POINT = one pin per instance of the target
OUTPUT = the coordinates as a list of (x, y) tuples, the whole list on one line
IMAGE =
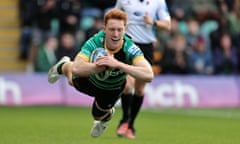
[(138, 13), (106, 74), (115, 73), (102, 75)]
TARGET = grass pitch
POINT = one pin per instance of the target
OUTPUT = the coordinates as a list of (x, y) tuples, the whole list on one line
[(71, 125)]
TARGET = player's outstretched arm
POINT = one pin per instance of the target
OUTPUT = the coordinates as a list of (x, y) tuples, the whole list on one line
[(140, 70), (82, 68)]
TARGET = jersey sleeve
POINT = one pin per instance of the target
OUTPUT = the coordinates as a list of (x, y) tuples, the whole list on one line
[(163, 12), (86, 50), (135, 54), (90, 45)]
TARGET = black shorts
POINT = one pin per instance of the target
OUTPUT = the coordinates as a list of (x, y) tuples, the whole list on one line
[(106, 99), (147, 50)]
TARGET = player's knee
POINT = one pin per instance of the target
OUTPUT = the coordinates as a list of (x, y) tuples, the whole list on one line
[(139, 92), (128, 89), (139, 88), (70, 82), (102, 114)]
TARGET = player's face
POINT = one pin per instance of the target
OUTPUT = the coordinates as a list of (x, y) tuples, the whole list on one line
[(114, 30)]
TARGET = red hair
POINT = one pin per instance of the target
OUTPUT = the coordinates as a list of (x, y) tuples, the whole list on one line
[(115, 14)]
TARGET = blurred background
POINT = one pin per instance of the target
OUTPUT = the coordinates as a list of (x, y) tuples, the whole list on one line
[(196, 64)]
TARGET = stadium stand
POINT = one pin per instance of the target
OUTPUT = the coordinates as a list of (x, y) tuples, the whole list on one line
[(9, 37)]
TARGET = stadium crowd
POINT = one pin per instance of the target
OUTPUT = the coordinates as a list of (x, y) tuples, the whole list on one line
[(204, 38)]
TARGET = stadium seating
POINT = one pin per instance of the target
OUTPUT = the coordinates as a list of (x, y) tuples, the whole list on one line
[(9, 37)]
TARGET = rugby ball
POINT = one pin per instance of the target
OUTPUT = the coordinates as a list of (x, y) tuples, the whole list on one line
[(99, 52)]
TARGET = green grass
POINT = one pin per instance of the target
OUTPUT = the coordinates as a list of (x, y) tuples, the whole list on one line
[(71, 125)]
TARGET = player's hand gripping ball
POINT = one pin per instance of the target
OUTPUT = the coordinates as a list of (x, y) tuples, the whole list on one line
[(99, 52)]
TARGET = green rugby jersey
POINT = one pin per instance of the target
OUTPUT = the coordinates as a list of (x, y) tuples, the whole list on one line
[(129, 53)]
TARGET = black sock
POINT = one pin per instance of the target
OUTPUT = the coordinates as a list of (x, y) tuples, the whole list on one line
[(59, 68), (135, 108), (126, 100)]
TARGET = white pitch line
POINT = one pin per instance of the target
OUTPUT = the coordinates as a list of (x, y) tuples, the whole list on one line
[(214, 113)]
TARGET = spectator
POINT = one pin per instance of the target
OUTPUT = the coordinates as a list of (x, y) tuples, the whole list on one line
[(193, 32), (165, 40), (45, 12), (223, 27), (67, 46), (68, 12), (26, 16), (225, 57), (97, 25), (234, 19), (46, 55), (175, 59), (200, 59)]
